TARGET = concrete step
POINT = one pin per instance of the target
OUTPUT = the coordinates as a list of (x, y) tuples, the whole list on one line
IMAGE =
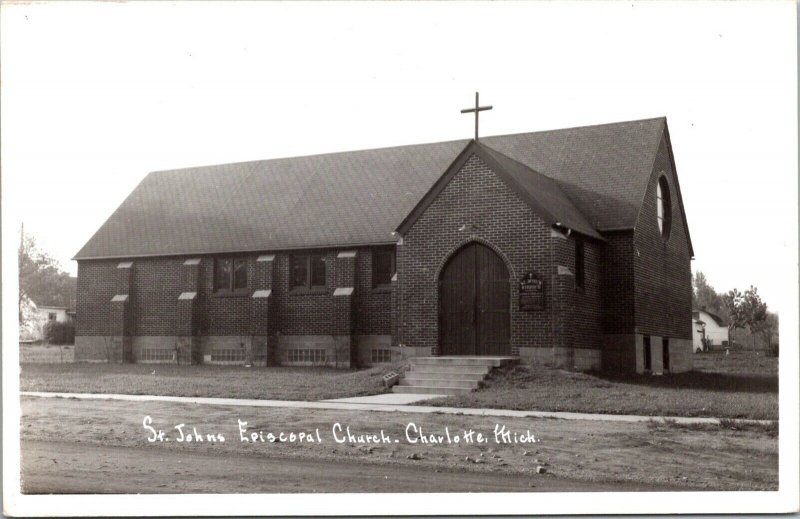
[(418, 375), (435, 369), (434, 382), (495, 362), (431, 390), (448, 375)]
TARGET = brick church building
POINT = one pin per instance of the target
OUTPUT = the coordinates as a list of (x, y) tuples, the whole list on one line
[(567, 247)]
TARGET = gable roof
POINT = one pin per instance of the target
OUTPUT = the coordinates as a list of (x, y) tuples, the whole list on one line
[(541, 193), (717, 319), (589, 179), (316, 201), (603, 169)]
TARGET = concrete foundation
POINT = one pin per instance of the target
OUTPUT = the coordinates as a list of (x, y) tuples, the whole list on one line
[(94, 349), (626, 353), (565, 358), (619, 353), (680, 355)]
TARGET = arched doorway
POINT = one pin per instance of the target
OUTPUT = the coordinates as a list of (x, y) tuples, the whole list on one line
[(474, 299)]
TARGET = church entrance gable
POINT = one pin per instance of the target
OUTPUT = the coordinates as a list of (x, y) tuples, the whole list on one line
[(474, 300)]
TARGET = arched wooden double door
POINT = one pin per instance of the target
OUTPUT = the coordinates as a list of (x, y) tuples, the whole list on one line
[(474, 299)]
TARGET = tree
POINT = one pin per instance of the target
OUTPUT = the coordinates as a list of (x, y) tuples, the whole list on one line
[(41, 281), (704, 297), (755, 311), (30, 322), (41, 277), (768, 329), (733, 302), (755, 308), (747, 309)]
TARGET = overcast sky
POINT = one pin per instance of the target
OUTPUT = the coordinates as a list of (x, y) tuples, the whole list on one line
[(94, 96)]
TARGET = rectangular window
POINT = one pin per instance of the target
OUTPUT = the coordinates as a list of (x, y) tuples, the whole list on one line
[(579, 263), (381, 355), (306, 356), (308, 271), (648, 363), (665, 353), (317, 262), (299, 271), (230, 274), (228, 355), (239, 274), (382, 267), (51, 316), (156, 355)]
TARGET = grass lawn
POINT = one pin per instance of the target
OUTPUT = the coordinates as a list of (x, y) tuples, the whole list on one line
[(739, 385), (280, 383), (46, 353)]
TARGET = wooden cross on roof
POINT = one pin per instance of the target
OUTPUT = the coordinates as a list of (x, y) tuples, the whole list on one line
[(477, 109)]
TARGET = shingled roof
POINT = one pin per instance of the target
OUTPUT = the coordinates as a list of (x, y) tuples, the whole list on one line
[(603, 169), (590, 178)]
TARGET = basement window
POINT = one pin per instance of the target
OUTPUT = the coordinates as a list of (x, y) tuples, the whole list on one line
[(381, 355), (307, 271), (230, 275)]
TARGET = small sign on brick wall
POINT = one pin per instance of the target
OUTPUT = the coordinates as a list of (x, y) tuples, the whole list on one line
[(531, 292)]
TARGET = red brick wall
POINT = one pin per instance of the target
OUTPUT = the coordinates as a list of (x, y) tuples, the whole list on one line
[(474, 196), (223, 314), (156, 287), (96, 287), (562, 294), (588, 312), (617, 283), (662, 268), (157, 284), (373, 306)]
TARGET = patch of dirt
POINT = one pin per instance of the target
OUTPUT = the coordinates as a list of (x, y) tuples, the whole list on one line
[(588, 451), (77, 468)]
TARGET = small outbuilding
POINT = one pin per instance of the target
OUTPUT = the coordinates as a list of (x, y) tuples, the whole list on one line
[(709, 330)]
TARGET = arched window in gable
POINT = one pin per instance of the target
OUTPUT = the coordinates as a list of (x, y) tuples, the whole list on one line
[(663, 207)]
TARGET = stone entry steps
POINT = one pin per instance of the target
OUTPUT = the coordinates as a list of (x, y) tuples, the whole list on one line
[(448, 375)]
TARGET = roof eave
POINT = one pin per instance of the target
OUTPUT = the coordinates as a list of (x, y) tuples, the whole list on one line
[(437, 188), (678, 187), (531, 200), (239, 251), (476, 148)]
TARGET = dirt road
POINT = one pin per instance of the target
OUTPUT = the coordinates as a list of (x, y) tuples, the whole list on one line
[(110, 438), (74, 468)]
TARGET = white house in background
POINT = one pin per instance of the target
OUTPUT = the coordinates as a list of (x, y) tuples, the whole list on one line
[(45, 314), (711, 327), (54, 313)]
